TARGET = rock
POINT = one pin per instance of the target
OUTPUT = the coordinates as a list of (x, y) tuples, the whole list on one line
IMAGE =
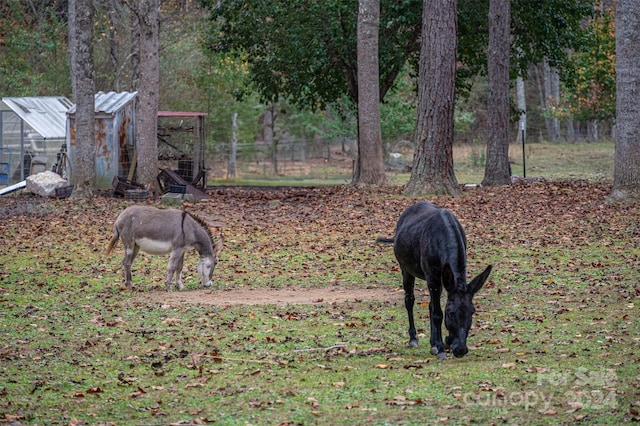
[(45, 183), (174, 199)]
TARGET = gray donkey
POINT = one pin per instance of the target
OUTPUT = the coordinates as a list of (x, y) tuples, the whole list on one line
[(163, 231)]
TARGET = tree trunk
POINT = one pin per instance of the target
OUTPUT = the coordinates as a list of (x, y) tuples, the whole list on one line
[(231, 170), (370, 160), (72, 46), (521, 99), (134, 54), (148, 14), (432, 171), (496, 170), (551, 99), (626, 176), (114, 46), (269, 133), (84, 161)]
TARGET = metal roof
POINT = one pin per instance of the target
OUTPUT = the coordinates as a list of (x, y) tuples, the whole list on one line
[(45, 114), (110, 102)]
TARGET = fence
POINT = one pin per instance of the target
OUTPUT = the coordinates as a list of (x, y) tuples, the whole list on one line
[(292, 157)]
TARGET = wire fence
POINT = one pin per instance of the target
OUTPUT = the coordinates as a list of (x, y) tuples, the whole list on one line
[(293, 157)]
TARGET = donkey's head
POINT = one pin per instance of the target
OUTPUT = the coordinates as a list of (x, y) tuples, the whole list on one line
[(208, 263), (459, 310)]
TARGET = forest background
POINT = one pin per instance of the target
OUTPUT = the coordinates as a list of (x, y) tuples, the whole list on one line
[(567, 97)]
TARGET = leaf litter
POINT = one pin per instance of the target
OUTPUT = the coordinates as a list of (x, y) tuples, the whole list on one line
[(558, 244)]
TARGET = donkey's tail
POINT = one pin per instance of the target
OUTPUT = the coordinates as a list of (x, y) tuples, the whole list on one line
[(386, 240), (113, 241)]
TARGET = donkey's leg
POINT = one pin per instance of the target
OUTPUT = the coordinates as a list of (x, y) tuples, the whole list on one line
[(179, 272), (130, 253), (408, 282), (435, 319), (174, 261)]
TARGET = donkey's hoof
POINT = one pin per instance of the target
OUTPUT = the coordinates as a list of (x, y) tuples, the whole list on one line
[(413, 343), (442, 356), (434, 350)]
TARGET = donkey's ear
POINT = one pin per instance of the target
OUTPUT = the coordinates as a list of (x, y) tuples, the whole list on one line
[(477, 283), (448, 280), (218, 247)]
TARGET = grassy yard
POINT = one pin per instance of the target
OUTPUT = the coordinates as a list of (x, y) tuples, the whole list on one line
[(554, 339), (592, 161)]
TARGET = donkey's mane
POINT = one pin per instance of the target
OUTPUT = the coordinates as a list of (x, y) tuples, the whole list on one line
[(202, 223)]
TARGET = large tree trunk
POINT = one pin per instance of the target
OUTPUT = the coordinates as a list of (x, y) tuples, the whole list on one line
[(148, 14), (626, 176), (432, 170), (496, 170), (84, 161), (370, 161)]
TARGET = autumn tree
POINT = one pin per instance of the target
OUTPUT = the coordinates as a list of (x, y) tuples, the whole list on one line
[(370, 162), (81, 57), (626, 176), (432, 170), (496, 170), (590, 77)]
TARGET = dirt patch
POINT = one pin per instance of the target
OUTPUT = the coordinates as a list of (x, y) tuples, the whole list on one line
[(269, 296)]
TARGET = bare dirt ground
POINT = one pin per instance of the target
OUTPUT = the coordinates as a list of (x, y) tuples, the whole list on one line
[(271, 296)]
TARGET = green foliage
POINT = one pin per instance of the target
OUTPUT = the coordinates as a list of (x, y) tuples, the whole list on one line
[(545, 30), (590, 77), (398, 111), (306, 51), (33, 54)]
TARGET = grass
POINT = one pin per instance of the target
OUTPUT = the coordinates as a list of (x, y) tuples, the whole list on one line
[(554, 340), (592, 161)]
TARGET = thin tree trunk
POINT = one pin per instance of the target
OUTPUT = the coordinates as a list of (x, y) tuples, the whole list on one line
[(432, 171), (84, 162), (571, 135), (134, 54), (551, 98), (72, 46), (231, 170), (522, 108), (626, 176), (496, 170), (269, 132), (370, 160), (114, 45)]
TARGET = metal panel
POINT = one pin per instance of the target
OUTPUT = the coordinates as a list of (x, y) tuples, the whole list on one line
[(114, 135), (46, 114), (110, 102)]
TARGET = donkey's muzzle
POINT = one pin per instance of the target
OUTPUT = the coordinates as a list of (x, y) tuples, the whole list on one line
[(459, 350)]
